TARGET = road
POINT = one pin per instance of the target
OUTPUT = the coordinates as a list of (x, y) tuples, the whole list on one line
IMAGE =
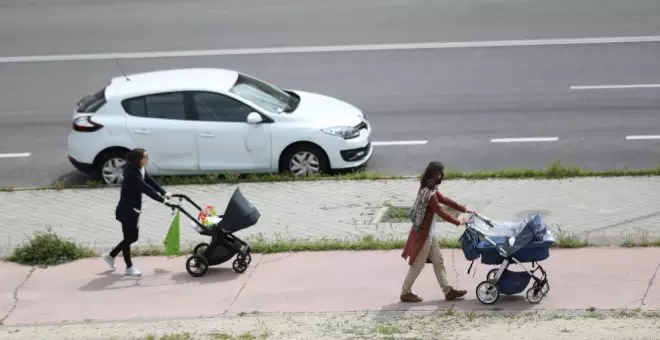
[(457, 99)]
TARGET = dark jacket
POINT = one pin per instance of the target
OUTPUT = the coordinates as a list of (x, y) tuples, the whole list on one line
[(132, 188)]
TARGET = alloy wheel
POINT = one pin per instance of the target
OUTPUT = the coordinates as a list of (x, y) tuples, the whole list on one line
[(113, 171), (304, 163)]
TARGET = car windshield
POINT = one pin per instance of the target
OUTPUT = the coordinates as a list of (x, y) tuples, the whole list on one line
[(265, 95)]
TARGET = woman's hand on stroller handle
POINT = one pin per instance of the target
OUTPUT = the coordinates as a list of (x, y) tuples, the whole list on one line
[(170, 204)]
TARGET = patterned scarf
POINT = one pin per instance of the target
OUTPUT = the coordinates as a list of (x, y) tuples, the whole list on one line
[(418, 210)]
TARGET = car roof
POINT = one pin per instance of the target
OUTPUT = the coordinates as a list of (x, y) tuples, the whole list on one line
[(183, 79)]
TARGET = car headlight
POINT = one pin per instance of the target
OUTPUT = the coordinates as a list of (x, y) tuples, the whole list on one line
[(346, 132)]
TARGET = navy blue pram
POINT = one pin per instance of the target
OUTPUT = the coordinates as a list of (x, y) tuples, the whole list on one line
[(504, 243)]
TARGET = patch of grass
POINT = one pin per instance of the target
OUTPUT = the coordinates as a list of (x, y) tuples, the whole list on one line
[(644, 241), (7, 189), (565, 240), (554, 171), (49, 249), (387, 329), (400, 214)]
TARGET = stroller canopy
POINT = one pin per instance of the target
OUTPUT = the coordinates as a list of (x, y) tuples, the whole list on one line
[(526, 231), (240, 213)]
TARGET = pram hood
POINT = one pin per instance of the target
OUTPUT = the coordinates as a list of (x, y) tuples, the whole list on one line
[(526, 231), (240, 213)]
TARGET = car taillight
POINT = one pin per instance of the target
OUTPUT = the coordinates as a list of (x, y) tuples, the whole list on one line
[(85, 124)]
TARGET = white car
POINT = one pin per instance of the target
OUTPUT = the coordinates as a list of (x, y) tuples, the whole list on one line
[(197, 121)]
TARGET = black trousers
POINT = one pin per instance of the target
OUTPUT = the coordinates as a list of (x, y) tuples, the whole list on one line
[(129, 228)]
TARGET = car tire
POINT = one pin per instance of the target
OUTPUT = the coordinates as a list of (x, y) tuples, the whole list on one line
[(110, 165), (310, 160)]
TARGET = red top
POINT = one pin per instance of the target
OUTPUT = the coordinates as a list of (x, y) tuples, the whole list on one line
[(417, 239)]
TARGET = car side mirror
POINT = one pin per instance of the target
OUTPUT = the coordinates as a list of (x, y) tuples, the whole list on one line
[(254, 118)]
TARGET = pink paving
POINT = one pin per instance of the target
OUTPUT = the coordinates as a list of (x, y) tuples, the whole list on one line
[(604, 278)]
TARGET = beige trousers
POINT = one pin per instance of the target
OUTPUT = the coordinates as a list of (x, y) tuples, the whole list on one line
[(431, 251)]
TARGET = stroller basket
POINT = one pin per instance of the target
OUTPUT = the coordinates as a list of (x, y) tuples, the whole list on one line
[(513, 282)]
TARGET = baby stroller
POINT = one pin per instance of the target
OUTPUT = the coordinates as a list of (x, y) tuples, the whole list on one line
[(521, 242), (240, 214)]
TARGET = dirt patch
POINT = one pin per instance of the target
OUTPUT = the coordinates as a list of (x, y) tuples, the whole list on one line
[(368, 325)]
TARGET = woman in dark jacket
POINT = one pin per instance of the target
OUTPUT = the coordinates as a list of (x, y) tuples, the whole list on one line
[(136, 182)]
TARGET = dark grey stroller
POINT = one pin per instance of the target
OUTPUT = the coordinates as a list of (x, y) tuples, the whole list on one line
[(238, 215)]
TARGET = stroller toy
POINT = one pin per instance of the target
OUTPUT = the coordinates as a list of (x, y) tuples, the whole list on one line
[(509, 242), (224, 245)]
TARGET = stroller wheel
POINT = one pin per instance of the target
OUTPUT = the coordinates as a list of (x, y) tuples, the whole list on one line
[(247, 258), (533, 295), (545, 289), (239, 265), (197, 265), (200, 248), (491, 274), (487, 292)]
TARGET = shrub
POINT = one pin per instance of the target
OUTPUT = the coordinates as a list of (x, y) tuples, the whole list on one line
[(49, 249)]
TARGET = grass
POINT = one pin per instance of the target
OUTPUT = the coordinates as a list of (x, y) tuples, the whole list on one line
[(555, 170), (213, 336), (397, 325), (400, 214), (644, 242), (49, 249)]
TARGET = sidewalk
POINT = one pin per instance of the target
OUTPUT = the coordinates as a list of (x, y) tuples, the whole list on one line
[(84, 291), (608, 209)]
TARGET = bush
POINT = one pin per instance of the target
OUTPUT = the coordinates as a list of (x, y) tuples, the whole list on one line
[(49, 249)]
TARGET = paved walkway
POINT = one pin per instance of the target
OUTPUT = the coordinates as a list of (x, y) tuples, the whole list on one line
[(603, 278), (608, 209)]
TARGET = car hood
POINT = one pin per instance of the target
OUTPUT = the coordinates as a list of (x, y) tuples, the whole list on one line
[(326, 110)]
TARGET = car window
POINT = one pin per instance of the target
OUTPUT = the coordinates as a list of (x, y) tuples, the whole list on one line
[(135, 107), (215, 107), (162, 105), (263, 94), (166, 106)]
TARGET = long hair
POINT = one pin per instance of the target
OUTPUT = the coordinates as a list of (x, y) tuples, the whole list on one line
[(134, 157), (431, 176)]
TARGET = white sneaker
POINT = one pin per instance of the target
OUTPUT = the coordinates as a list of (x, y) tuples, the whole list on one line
[(109, 260), (132, 271)]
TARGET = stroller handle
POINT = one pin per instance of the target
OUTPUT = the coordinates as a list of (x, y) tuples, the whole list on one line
[(488, 221), (182, 197)]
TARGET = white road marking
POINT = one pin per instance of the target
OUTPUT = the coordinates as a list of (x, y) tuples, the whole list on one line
[(14, 155), (400, 142), (524, 140), (615, 87), (642, 137), (331, 48)]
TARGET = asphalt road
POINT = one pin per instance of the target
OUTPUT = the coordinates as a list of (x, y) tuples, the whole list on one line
[(457, 99), (91, 26)]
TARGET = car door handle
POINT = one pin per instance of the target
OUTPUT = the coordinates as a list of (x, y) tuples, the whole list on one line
[(142, 131), (207, 134)]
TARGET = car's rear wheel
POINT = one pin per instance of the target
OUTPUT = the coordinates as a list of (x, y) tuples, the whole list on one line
[(110, 167), (304, 160)]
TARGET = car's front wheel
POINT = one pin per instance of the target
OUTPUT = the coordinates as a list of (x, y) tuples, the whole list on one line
[(304, 160), (110, 167)]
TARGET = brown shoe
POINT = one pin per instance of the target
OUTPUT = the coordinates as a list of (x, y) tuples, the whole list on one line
[(453, 294), (410, 297)]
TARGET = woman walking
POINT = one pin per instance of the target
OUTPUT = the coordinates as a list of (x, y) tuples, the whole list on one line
[(136, 182), (422, 246)]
